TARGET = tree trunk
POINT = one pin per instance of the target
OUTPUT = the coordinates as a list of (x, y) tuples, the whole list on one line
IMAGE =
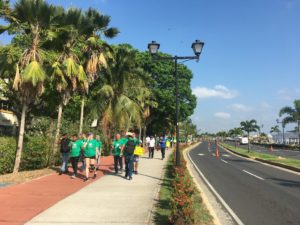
[(140, 133), (248, 142), (299, 134), (144, 136), (81, 115), (60, 109), (20, 139)]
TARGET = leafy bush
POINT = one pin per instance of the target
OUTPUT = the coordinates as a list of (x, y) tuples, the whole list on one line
[(36, 153), (181, 202), (7, 154)]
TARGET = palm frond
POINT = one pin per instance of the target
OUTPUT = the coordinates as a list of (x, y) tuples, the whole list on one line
[(33, 73), (17, 80)]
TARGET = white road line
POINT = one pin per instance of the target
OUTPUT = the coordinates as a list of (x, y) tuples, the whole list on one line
[(201, 154), (230, 211), (253, 175), (224, 161)]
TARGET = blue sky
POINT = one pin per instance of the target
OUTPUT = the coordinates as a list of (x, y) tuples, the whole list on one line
[(250, 64)]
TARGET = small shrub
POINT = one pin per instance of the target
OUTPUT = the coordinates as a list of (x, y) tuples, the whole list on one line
[(7, 154), (36, 153)]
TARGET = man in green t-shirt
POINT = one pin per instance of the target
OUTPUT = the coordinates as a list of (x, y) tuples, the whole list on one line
[(116, 150), (75, 146), (90, 152)]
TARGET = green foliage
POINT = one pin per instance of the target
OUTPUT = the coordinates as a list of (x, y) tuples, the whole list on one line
[(36, 154), (34, 73), (7, 154), (162, 84)]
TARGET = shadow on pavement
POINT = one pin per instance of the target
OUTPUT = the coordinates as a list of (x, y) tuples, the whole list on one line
[(286, 183)]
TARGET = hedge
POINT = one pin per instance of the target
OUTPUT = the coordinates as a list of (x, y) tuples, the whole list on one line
[(7, 154)]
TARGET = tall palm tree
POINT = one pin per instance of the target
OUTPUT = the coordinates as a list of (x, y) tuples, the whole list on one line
[(95, 50), (119, 106), (248, 127), (292, 115), (32, 19), (68, 72)]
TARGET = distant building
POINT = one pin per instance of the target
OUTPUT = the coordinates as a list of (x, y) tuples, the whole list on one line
[(8, 120), (289, 137)]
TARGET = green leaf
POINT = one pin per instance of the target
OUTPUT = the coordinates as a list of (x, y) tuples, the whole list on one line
[(34, 73), (70, 67)]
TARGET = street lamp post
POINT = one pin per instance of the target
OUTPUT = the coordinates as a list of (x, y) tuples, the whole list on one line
[(197, 48), (283, 126)]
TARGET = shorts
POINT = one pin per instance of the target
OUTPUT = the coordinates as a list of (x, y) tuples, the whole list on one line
[(90, 157), (136, 158)]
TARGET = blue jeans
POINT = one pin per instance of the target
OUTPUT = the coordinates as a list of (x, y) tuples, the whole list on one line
[(128, 165), (65, 158)]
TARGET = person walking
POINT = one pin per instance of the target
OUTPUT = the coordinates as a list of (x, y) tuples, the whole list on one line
[(90, 152), (116, 150), (162, 143), (64, 149), (75, 146), (99, 146), (129, 146), (83, 139), (136, 158), (151, 147)]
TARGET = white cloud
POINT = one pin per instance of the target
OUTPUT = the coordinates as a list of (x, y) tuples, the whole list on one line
[(222, 115), (240, 108), (284, 94), (219, 91)]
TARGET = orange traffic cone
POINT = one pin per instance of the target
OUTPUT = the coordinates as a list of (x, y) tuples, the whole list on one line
[(217, 151)]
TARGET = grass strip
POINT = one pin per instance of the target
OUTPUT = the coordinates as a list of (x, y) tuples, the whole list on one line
[(268, 157)]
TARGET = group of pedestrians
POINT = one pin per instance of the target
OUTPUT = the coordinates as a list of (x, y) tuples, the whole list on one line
[(163, 143), (87, 149)]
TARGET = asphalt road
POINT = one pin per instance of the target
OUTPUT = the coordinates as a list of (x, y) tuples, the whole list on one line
[(256, 193), (279, 152)]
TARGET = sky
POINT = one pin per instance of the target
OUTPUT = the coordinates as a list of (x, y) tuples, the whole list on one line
[(250, 64)]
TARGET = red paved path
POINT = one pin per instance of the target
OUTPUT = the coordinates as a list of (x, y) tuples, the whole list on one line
[(20, 203)]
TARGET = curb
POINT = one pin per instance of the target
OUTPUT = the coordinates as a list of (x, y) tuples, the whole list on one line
[(295, 169)]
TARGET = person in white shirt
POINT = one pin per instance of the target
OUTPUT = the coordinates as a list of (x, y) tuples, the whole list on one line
[(151, 147)]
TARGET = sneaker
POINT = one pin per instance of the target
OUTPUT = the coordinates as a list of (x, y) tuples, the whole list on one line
[(136, 173), (60, 173), (130, 178), (73, 176), (85, 179), (95, 175)]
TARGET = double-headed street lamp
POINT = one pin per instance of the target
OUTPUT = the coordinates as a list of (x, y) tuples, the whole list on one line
[(197, 48), (283, 126)]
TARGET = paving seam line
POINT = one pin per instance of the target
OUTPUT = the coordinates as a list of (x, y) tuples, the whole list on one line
[(279, 166), (149, 218), (229, 210)]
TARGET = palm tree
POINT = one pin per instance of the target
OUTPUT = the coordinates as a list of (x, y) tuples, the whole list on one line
[(33, 20), (249, 126), (275, 129), (119, 107), (292, 115), (95, 50)]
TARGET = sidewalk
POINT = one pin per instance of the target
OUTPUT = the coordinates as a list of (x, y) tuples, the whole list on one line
[(111, 199), (20, 203)]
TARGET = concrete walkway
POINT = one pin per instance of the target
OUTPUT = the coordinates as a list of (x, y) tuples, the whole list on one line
[(111, 199)]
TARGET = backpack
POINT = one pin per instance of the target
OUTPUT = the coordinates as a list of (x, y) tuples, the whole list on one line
[(130, 146), (64, 145)]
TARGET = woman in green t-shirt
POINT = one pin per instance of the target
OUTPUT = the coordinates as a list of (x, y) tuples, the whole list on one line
[(75, 146), (90, 152)]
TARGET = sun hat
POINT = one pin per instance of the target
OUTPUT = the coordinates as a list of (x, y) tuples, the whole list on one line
[(129, 134)]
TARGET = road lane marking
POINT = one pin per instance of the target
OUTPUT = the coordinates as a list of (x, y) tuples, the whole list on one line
[(226, 155), (253, 175), (227, 207), (201, 154), (224, 161)]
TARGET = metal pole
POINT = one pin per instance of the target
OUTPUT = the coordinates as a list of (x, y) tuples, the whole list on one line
[(283, 133), (177, 116)]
